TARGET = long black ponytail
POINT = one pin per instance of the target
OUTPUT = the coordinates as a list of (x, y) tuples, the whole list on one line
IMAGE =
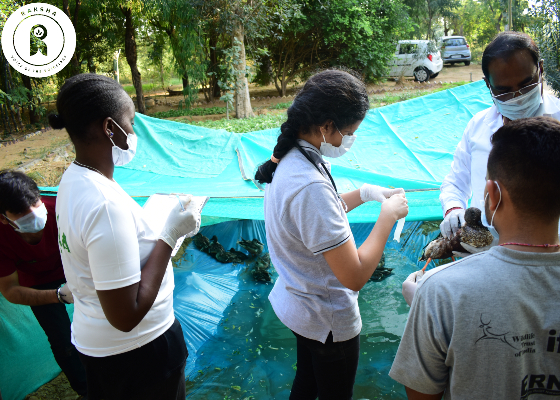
[(329, 95)]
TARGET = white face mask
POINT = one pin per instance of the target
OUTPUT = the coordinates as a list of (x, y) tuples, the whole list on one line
[(524, 106), (123, 157), (490, 225), (33, 222), (328, 150)]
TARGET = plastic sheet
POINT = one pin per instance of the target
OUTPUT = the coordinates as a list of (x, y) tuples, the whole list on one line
[(249, 352), (26, 359), (408, 144)]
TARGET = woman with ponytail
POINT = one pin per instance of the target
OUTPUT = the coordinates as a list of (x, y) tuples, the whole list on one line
[(309, 238)]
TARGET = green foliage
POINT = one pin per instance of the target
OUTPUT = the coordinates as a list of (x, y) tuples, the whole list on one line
[(280, 106), (357, 34), (546, 30), (189, 112)]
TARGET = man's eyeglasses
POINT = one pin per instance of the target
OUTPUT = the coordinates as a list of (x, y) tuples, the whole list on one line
[(511, 95)]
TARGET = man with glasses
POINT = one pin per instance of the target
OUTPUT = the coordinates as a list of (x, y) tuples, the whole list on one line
[(513, 73)]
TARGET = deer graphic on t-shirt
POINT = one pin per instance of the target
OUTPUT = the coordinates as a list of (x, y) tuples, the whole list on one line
[(487, 335)]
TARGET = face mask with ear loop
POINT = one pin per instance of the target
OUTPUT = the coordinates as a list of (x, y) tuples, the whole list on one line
[(490, 226), (328, 150), (31, 223), (120, 156)]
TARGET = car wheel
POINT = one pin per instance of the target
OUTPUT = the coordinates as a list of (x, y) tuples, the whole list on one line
[(434, 75), (467, 63), (421, 74)]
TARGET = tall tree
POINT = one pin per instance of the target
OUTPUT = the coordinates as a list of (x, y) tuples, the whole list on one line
[(132, 56), (357, 34), (546, 29)]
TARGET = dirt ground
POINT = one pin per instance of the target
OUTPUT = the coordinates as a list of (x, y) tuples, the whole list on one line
[(57, 389)]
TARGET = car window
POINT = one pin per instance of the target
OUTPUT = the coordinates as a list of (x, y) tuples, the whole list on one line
[(408, 48), (454, 42)]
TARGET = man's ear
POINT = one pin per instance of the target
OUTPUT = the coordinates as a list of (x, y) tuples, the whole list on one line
[(3, 220), (493, 195)]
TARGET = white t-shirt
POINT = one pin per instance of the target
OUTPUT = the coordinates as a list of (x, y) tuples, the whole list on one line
[(305, 218), (104, 242)]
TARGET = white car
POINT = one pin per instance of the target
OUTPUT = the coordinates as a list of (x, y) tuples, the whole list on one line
[(418, 58)]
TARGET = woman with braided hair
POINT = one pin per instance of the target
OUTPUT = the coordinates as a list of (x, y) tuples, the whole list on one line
[(309, 238)]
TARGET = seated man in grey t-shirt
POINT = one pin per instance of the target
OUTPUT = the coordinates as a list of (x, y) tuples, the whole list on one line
[(488, 326)]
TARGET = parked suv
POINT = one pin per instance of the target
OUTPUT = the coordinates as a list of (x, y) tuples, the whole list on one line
[(455, 49), (418, 58)]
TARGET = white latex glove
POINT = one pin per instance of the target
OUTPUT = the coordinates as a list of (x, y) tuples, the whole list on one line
[(377, 193), (396, 205), (180, 223), (450, 224), (66, 295), (473, 250), (409, 286)]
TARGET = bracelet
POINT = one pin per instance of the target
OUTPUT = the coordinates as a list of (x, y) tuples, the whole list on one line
[(60, 299), (451, 209)]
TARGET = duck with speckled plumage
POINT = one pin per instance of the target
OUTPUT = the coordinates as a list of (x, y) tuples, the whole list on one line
[(473, 233)]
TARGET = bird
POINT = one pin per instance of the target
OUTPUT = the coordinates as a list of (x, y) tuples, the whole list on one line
[(473, 233)]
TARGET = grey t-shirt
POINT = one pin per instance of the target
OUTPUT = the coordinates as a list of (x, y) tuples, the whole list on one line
[(485, 327), (304, 218)]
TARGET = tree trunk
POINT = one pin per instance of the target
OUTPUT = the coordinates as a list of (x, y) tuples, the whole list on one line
[(132, 57), (92, 68), (65, 7), (185, 79), (33, 116), (213, 88), (242, 100)]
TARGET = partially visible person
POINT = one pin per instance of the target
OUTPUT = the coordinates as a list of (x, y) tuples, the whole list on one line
[(513, 72), (310, 242), (488, 326), (31, 272), (117, 264)]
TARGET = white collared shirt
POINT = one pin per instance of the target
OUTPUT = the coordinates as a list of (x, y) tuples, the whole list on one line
[(467, 177)]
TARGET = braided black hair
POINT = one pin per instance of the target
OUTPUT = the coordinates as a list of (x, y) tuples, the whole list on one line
[(329, 95), (87, 98)]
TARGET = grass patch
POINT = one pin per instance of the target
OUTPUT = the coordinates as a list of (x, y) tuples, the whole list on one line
[(190, 112), (243, 125), (280, 106), (274, 121), (387, 99), (146, 87)]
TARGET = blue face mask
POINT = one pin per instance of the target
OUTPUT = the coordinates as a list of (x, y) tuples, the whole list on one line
[(33, 222)]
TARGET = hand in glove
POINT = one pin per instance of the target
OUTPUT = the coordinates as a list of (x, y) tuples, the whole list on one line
[(473, 250), (180, 223), (409, 286), (377, 193), (450, 224), (64, 294), (397, 205)]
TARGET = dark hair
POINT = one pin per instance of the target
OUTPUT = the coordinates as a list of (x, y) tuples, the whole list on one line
[(504, 45), (524, 158), (329, 95), (19, 192), (87, 98)]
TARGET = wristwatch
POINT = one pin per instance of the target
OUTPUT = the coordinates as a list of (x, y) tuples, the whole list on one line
[(60, 299)]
